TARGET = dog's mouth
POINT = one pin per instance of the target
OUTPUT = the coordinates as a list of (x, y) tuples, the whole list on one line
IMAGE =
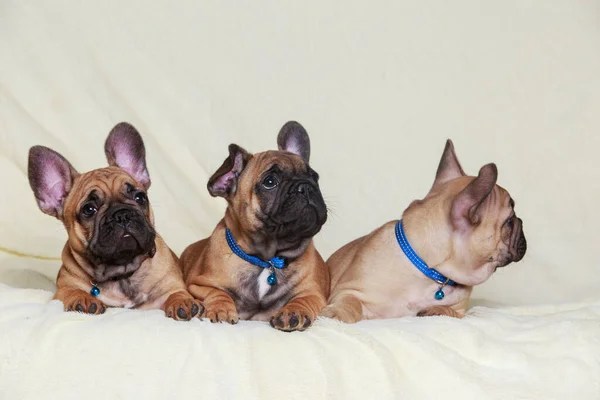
[(517, 246), (123, 247)]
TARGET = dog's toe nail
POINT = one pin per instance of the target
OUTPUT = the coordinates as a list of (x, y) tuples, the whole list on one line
[(307, 321), (181, 313), (102, 310), (93, 308), (272, 322), (279, 320), (79, 307), (294, 320), (170, 314), (194, 309)]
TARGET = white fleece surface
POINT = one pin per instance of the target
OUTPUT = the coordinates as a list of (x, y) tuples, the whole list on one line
[(537, 352), (519, 353), (379, 86)]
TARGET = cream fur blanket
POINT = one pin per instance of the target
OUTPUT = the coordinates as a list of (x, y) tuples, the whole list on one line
[(506, 353)]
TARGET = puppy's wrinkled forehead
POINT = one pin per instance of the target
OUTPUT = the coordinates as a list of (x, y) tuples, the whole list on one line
[(285, 161), (111, 183)]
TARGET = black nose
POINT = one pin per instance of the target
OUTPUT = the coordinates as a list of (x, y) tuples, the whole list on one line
[(305, 189), (122, 216)]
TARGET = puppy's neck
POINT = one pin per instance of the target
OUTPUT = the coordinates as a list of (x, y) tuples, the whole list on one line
[(258, 243), (430, 238)]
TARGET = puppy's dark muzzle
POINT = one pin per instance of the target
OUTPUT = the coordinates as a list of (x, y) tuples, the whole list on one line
[(519, 247), (313, 197), (122, 235)]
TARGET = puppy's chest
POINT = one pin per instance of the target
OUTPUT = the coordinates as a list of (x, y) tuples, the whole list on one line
[(253, 293), (424, 297), (126, 293)]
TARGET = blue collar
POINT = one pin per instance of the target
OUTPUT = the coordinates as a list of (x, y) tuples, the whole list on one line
[(275, 262), (431, 273)]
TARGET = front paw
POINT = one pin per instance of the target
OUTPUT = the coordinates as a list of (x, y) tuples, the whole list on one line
[(222, 312), (85, 303), (291, 319), (183, 307)]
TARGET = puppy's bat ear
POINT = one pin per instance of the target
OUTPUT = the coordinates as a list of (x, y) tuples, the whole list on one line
[(51, 178), (468, 204), (223, 182), (293, 138), (449, 167), (124, 148)]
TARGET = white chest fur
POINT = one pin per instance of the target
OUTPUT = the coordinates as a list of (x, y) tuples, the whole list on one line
[(112, 295), (263, 285)]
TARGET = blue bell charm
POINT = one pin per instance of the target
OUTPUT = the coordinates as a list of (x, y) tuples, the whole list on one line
[(439, 295), (275, 262), (95, 290), (272, 279)]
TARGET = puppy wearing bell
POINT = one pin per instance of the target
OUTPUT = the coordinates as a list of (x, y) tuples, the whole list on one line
[(113, 256), (260, 262), (428, 262)]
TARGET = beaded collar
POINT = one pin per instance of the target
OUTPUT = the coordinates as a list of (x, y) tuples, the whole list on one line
[(275, 262), (431, 273)]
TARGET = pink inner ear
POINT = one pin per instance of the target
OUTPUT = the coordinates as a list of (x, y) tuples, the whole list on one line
[(134, 167), (224, 182), (293, 147), (53, 188), (53, 195)]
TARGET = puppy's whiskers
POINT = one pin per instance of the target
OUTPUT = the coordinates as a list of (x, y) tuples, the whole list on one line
[(331, 206)]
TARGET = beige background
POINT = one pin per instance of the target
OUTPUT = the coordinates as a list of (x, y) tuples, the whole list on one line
[(378, 85)]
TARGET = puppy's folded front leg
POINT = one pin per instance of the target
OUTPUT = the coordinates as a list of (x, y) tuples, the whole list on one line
[(78, 300), (346, 308), (440, 311), (219, 306), (299, 313)]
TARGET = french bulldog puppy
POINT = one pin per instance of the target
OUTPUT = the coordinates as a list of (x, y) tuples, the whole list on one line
[(260, 262), (427, 263), (113, 256)]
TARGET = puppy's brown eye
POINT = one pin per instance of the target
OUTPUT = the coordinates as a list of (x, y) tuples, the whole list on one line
[(270, 182), (141, 198), (88, 210)]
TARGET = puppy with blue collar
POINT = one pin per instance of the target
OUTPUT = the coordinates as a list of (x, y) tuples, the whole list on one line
[(428, 262), (260, 262)]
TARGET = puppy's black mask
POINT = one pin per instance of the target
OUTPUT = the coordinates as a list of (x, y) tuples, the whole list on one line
[(121, 234), (292, 206)]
